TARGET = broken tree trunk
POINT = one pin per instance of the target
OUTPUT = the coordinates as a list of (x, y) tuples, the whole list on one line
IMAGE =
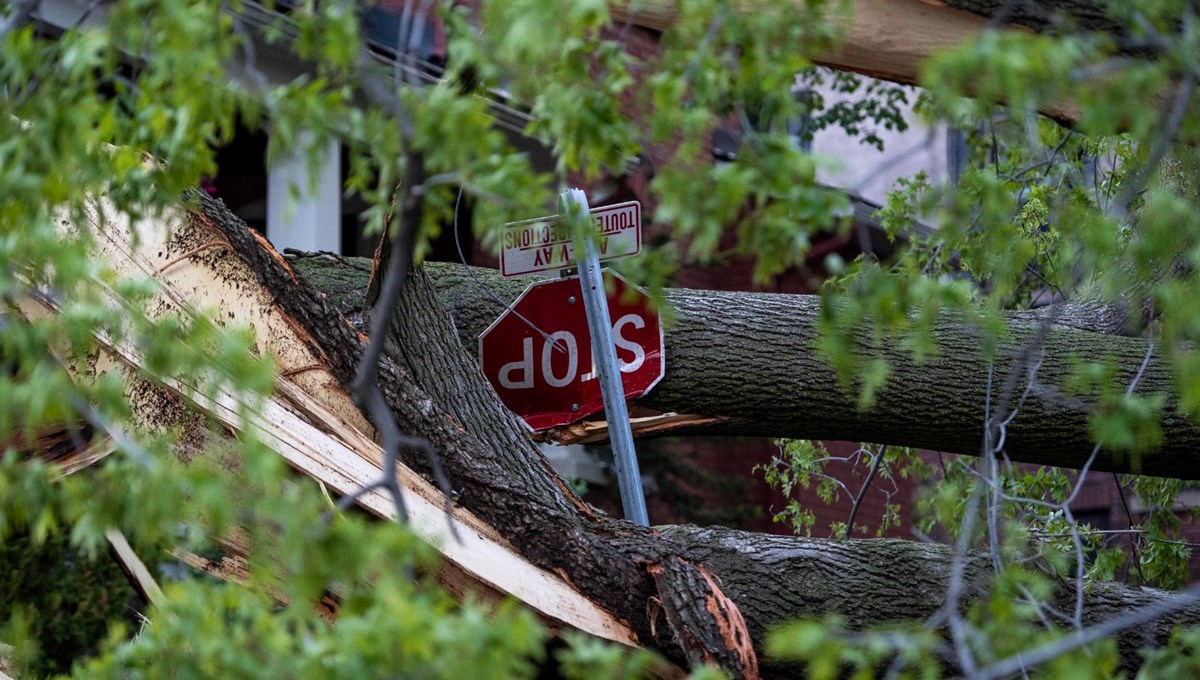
[(885, 39), (891, 39), (747, 364), (696, 594), (310, 421)]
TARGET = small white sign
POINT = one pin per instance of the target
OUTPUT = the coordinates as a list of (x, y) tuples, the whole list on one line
[(544, 244)]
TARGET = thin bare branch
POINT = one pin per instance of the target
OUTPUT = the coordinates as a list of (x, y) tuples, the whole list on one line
[(1024, 660), (1133, 544), (954, 590), (134, 450), (365, 386), (863, 491), (511, 308)]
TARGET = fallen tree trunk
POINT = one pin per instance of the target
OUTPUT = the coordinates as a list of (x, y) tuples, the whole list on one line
[(885, 39), (747, 364), (891, 39), (696, 594)]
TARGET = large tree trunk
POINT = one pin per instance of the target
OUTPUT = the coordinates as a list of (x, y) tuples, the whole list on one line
[(1087, 15), (697, 594), (747, 364), (890, 39), (890, 19), (881, 38)]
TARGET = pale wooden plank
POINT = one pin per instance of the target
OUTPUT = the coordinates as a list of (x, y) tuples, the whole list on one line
[(139, 576)]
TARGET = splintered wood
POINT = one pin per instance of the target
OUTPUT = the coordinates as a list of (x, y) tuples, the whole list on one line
[(310, 421)]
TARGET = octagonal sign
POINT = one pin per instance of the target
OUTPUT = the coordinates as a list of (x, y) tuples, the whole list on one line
[(542, 365)]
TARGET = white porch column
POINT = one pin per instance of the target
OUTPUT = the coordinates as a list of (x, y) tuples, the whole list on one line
[(304, 210)]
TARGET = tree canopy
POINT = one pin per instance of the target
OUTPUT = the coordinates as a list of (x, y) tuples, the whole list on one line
[(1049, 319)]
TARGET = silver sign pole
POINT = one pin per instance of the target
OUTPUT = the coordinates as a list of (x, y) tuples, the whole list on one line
[(595, 303)]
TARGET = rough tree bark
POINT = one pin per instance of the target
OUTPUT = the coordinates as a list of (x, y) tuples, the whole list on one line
[(746, 364), (881, 38), (697, 594), (1088, 15)]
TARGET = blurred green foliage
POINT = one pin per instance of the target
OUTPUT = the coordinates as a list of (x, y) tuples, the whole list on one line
[(67, 599)]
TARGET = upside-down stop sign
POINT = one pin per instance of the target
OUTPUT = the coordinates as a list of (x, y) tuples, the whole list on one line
[(550, 380)]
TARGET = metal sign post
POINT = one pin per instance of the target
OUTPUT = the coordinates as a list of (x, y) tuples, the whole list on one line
[(629, 478)]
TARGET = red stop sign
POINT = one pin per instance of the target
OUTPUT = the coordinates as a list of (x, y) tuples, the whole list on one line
[(550, 380)]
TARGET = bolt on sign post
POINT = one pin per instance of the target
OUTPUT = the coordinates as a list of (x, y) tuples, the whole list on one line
[(537, 355)]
